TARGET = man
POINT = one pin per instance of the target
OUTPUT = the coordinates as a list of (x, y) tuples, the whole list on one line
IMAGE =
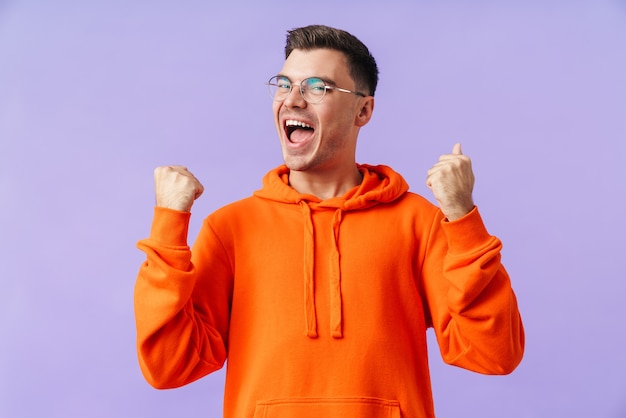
[(320, 287)]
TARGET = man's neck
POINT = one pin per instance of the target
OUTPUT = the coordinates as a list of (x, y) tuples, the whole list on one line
[(325, 184)]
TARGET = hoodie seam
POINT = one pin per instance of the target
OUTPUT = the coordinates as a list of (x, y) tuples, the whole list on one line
[(431, 231), (231, 262)]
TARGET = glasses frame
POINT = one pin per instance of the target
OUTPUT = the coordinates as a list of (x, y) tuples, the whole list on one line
[(272, 83)]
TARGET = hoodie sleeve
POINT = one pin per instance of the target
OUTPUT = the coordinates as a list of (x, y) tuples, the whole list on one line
[(181, 314), (471, 304)]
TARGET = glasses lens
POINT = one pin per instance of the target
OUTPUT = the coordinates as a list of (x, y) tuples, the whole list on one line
[(313, 89), (279, 87)]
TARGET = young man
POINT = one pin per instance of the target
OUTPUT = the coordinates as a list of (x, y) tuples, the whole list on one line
[(319, 288)]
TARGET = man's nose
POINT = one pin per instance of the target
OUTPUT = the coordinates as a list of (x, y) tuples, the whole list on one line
[(294, 98)]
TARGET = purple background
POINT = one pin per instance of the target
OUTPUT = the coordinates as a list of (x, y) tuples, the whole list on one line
[(94, 95)]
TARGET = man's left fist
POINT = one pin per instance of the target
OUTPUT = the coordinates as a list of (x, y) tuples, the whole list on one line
[(451, 180)]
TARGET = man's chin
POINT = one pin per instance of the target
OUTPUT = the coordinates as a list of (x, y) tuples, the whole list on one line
[(296, 163), (296, 167)]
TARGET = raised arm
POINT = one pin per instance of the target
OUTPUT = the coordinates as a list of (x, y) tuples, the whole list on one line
[(472, 306), (181, 335)]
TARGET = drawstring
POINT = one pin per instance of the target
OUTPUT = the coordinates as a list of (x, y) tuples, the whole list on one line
[(309, 283), (336, 317)]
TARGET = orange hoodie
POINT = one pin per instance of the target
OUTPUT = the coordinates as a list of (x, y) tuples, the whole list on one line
[(321, 307)]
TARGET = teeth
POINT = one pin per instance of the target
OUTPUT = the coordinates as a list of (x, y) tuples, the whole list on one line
[(297, 123)]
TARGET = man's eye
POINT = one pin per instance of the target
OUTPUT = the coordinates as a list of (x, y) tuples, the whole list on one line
[(283, 83), (316, 85)]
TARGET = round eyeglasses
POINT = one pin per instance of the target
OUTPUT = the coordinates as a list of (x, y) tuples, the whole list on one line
[(312, 89)]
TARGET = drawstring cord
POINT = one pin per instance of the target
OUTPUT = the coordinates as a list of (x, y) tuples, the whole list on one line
[(336, 316), (309, 282)]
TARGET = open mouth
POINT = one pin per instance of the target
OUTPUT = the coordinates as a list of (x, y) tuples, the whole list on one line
[(298, 131)]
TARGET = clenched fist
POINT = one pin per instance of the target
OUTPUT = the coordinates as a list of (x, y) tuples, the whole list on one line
[(451, 180), (176, 188)]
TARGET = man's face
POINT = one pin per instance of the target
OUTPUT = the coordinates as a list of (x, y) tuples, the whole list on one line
[(318, 136)]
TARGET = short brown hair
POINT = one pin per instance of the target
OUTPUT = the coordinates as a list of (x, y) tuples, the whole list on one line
[(361, 63)]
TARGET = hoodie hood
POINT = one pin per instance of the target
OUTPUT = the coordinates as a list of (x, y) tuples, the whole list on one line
[(380, 185)]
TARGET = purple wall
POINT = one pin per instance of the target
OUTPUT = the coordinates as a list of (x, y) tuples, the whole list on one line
[(94, 95)]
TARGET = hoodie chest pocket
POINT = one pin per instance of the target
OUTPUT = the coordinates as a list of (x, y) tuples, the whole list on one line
[(327, 408)]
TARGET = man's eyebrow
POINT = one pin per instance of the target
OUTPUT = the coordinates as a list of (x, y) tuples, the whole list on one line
[(326, 80)]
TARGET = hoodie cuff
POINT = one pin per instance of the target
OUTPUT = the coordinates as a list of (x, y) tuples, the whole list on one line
[(466, 233), (170, 227)]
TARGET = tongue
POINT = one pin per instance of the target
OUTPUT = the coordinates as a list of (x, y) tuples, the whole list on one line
[(300, 135)]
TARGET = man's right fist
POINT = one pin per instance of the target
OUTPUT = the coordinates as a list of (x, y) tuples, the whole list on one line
[(176, 188)]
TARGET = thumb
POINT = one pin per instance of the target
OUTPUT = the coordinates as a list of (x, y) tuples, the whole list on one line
[(457, 149)]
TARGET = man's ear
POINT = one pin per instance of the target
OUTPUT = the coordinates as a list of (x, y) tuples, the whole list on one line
[(365, 112)]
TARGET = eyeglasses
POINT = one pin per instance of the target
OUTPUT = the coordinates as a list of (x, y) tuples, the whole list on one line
[(312, 89)]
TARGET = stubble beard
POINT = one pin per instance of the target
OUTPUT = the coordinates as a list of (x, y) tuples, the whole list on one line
[(316, 159)]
